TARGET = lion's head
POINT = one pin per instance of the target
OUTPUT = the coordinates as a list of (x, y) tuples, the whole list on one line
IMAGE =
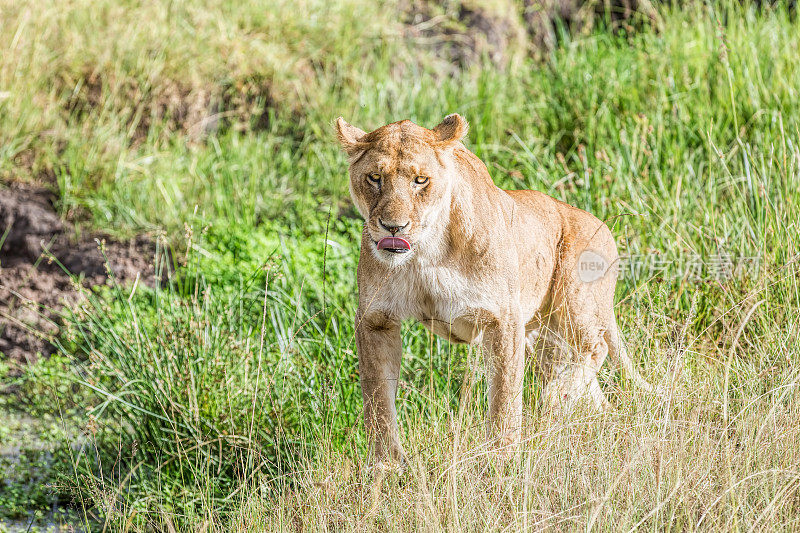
[(401, 179)]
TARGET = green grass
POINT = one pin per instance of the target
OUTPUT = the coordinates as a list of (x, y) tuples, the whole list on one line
[(228, 398)]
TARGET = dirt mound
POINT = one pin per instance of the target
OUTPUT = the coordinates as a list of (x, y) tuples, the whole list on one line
[(463, 33), (542, 17), (192, 109), (34, 285)]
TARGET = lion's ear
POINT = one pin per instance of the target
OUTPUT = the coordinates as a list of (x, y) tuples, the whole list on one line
[(350, 137), (452, 129)]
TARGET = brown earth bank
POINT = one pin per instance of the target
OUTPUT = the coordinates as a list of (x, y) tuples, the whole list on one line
[(465, 32), (41, 262)]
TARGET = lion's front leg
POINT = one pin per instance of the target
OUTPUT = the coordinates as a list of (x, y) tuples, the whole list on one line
[(504, 347), (379, 354)]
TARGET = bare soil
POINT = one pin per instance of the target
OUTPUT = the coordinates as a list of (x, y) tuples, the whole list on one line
[(40, 264)]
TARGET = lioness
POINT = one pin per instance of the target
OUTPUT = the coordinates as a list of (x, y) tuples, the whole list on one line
[(475, 264)]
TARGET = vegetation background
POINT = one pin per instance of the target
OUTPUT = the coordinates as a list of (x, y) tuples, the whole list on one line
[(218, 390)]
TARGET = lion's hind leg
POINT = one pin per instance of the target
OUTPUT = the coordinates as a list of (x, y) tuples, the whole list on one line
[(568, 366), (574, 380)]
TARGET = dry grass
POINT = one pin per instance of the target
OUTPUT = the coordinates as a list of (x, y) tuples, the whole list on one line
[(655, 462)]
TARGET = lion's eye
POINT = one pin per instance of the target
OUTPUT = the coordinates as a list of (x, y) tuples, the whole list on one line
[(421, 180), (374, 178)]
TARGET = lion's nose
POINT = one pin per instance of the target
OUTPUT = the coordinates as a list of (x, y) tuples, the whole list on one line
[(392, 227)]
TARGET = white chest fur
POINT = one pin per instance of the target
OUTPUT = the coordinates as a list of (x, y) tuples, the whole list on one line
[(442, 298)]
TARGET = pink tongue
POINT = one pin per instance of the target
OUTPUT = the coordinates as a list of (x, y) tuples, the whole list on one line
[(394, 243)]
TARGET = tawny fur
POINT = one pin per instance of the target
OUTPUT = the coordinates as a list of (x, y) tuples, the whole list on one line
[(487, 266)]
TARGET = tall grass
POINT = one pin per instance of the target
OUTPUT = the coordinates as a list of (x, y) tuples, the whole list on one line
[(226, 398)]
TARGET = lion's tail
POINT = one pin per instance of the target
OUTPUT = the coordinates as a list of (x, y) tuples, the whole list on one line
[(619, 354)]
